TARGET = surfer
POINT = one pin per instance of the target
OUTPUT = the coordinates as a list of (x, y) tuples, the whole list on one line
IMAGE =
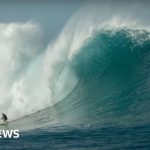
[(4, 118)]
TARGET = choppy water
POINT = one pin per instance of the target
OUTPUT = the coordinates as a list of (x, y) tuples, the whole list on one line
[(82, 138)]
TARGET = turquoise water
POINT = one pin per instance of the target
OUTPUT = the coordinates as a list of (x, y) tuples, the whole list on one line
[(109, 108), (82, 138)]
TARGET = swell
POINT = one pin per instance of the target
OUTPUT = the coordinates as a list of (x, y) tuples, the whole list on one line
[(113, 71), (113, 66)]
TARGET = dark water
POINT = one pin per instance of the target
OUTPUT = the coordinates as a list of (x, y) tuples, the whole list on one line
[(111, 100), (82, 138)]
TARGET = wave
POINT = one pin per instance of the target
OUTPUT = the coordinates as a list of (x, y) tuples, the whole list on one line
[(113, 68), (96, 71)]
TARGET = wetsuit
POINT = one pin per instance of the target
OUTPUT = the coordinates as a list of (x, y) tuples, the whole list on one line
[(4, 117)]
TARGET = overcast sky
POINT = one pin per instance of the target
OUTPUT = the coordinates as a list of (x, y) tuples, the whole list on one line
[(52, 15)]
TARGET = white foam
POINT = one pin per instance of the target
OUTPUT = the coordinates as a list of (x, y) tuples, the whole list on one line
[(31, 80)]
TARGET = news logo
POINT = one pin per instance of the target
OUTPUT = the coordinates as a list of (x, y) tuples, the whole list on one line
[(9, 134)]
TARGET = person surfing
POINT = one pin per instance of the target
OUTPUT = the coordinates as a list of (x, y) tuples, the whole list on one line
[(4, 118)]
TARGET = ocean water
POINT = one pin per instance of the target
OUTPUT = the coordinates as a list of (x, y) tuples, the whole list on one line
[(90, 88), (109, 106), (82, 138)]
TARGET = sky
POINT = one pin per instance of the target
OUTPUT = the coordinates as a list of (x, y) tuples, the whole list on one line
[(52, 15)]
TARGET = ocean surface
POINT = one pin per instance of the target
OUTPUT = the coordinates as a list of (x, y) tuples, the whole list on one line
[(92, 138), (100, 91)]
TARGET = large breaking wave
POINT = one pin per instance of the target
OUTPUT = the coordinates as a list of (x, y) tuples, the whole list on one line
[(95, 71), (114, 70)]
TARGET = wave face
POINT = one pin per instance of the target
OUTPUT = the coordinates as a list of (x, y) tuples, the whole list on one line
[(113, 68)]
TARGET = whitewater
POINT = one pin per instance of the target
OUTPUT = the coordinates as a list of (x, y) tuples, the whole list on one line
[(88, 87)]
